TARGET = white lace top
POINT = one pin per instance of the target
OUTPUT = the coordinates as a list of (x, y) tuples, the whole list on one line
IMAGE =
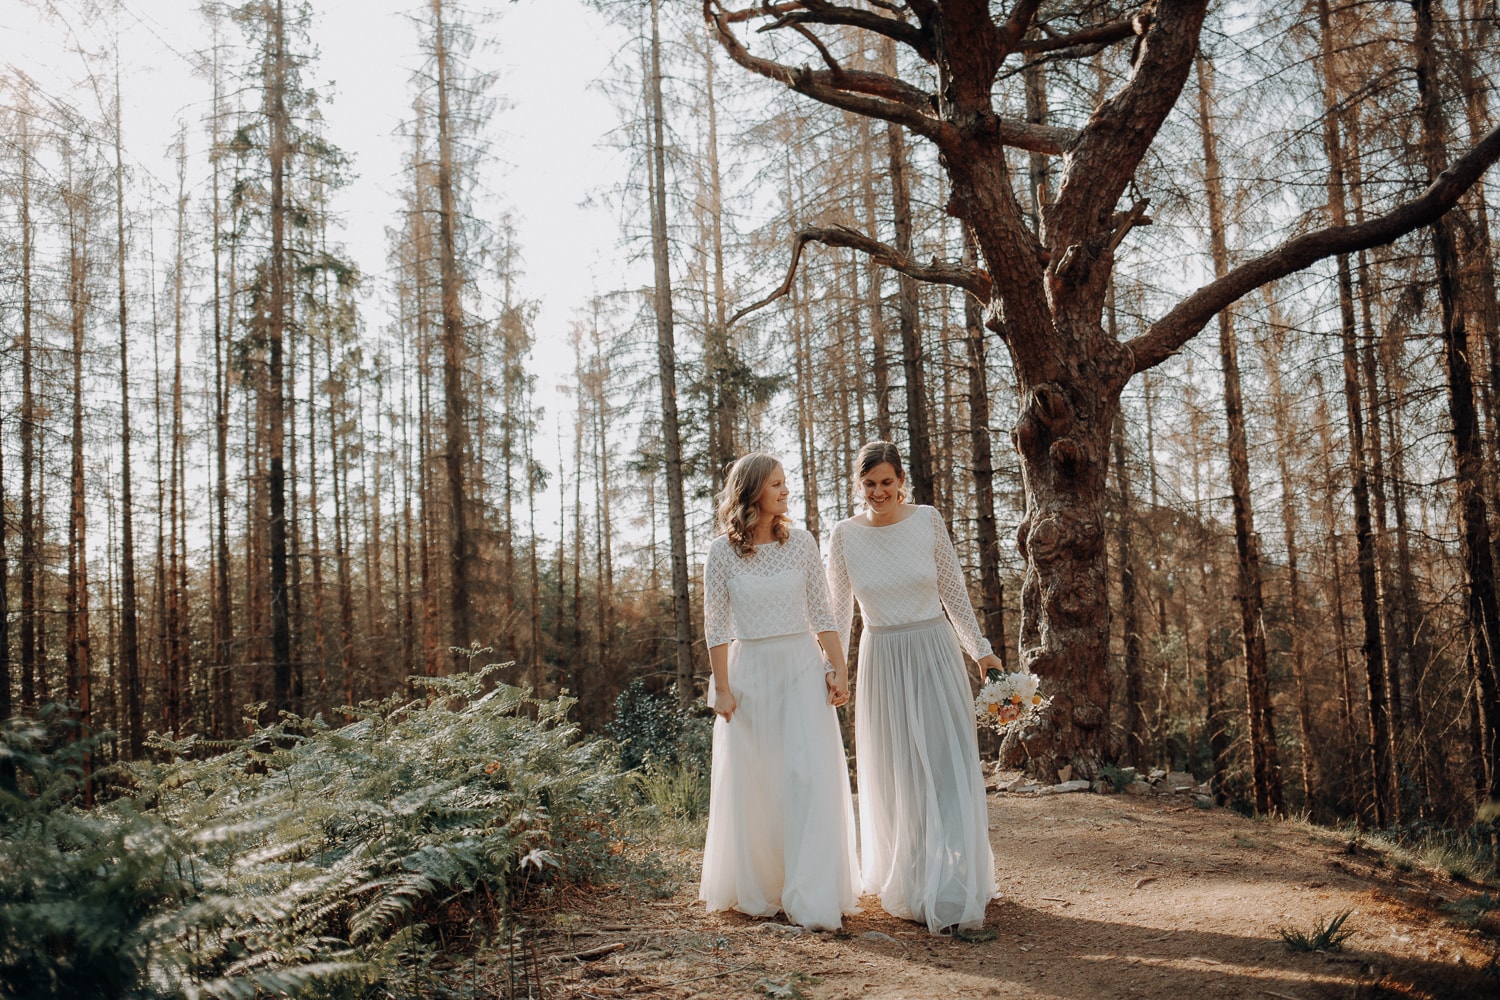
[(779, 589), (901, 573)]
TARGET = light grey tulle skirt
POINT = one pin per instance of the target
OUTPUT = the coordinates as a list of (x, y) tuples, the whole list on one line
[(924, 822)]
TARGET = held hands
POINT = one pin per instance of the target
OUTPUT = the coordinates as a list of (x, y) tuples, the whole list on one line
[(838, 687)]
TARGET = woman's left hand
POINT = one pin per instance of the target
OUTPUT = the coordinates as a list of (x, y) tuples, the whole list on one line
[(988, 663)]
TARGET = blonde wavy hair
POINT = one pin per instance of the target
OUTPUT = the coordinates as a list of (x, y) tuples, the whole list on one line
[(738, 516), (870, 456)]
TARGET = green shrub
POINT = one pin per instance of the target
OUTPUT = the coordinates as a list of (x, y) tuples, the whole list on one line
[(650, 727), (668, 751)]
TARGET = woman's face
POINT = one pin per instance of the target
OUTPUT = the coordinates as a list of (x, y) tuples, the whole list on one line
[(881, 486), (772, 499)]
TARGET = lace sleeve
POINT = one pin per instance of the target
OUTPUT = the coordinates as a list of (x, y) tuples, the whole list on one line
[(718, 622), (839, 588), (954, 592), (818, 613)]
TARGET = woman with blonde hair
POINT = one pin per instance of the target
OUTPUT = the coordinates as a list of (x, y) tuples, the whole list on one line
[(924, 825), (780, 818)]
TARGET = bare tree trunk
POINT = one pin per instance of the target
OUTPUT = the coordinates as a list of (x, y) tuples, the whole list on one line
[(456, 454), (1137, 735), (873, 275), (30, 523), (1271, 352), (1260, 722), (6, 702), (130, 657), (1357, 754), (1374, 647), (1476, 35), (77, 197), (603, 524), (1483, 608), (535, 610), (407, 602), (343, 516), (718, 352), (314, 515), (278, 121), (1397, 637), (177, 639), (807, 445), (1216, 720), (1412, 642), (1034, 80), (919, 452), (666, 360), (993, 600)]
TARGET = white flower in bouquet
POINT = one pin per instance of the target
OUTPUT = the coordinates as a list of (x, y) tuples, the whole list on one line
[(1007, 698)]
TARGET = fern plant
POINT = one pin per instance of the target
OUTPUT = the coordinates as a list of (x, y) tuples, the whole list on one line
[(80, 891), (305, 860)]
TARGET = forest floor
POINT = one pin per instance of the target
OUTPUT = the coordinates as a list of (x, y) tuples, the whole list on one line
[(1103, 896)]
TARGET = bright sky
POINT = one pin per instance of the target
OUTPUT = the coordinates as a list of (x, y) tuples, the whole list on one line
[(548, 136)]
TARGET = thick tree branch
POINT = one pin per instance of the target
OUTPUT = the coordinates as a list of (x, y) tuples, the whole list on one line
[(1122, 128), (871, 94), (1048, 139), (971, 279), (813, 12), (1101, 34), (1016, 25), (875, 95), (1189, 316)]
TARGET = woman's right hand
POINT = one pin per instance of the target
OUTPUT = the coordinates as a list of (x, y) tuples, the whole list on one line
[(724, 702)]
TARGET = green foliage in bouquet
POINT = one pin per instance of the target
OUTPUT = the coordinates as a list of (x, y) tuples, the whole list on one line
[(303, 860)]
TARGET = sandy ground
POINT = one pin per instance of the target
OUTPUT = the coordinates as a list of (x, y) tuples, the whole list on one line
[(1103, 896)]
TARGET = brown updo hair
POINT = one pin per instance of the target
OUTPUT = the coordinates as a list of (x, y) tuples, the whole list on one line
[(872, 455), (737, 514)]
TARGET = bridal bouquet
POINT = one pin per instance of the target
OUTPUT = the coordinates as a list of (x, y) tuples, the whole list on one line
[(1006, 698)]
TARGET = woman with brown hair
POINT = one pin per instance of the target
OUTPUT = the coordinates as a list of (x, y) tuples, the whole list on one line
[(924, 826), (780, 819)]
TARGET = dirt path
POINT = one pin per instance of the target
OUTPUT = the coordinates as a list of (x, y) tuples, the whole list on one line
[(1103, 897)]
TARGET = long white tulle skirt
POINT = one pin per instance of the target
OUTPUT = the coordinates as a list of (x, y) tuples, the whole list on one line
[(780, 816), (924, 823)]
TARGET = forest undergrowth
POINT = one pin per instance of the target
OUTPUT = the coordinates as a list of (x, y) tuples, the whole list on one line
[(421, 849), (368, 860)]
